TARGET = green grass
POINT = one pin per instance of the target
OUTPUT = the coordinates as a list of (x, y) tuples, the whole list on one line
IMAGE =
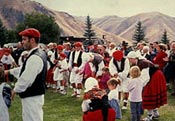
[(66, 108)]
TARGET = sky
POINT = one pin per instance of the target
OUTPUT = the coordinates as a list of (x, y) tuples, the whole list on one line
[(100, 8)]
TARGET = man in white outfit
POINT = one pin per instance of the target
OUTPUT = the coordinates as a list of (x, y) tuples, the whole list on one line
[(76, 65), (32, 75), (119, 68)]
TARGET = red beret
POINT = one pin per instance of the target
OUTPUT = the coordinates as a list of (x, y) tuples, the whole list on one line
[(118, 55), (78, 44), (30, 32), (6, 50), (60, 47), (63, 55)]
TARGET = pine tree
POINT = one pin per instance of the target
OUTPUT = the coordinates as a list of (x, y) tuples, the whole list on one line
[(164, 38), (89, 33), (3, 32), (139, 33)]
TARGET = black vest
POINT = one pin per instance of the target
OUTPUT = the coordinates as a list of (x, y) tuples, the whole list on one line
[(38, 86), (122, 65), (79, 60)]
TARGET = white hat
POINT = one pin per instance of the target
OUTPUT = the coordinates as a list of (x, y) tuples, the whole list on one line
[(90, 83), (133, 54)]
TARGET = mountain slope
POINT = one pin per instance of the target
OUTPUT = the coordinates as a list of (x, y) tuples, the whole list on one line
[(154, 23), (13, 11), (114, 28), (107, 23)]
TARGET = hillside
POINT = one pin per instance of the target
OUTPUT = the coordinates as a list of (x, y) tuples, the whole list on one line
[(114, 28), (12, 12), (154, 23)]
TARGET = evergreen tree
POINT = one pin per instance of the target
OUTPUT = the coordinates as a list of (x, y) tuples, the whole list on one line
[(164, 38), (139, 33), (89, 33), (50, 31), (3, 32)]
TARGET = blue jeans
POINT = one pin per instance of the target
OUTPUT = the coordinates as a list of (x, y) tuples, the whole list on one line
[(135, 111)]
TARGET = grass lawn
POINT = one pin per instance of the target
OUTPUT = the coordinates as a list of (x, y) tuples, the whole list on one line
[(66, 108)]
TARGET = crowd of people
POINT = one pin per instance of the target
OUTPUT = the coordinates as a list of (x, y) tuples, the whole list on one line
[(111, 75)]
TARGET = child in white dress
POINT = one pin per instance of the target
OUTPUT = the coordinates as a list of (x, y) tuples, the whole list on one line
[(61, 68)]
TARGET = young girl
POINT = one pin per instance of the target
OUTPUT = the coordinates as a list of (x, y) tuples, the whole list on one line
[(135, 87), (105, 77), (113, 96), (95, 104), (61, 69)]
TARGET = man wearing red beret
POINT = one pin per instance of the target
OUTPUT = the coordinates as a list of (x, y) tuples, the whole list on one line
[(60, 47), (76, 66), (32, 75), (119, 68), (78, 44)]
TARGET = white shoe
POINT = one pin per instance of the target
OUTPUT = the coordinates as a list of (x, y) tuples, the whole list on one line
[(156, 116), (78, 95), (63, 92), (48, 85), (124, 108), (53, 86), (148, 118), (74, 95)]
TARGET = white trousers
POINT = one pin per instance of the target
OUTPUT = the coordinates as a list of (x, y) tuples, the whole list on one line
[(32, 108)]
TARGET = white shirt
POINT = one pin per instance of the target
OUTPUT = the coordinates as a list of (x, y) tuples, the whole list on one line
[(101, 65), (145, 77), (113, 94), (85, 105), (7, 59), (113, 70), (58, 73), (76, 58), (33, 67), (111, 51), (135, 88), (52, 58)]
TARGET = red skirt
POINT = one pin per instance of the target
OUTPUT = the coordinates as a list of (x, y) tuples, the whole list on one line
[(98, 116), (155, 92), (49, 78)]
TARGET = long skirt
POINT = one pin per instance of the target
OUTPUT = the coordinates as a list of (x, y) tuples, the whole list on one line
[(155, 92)]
